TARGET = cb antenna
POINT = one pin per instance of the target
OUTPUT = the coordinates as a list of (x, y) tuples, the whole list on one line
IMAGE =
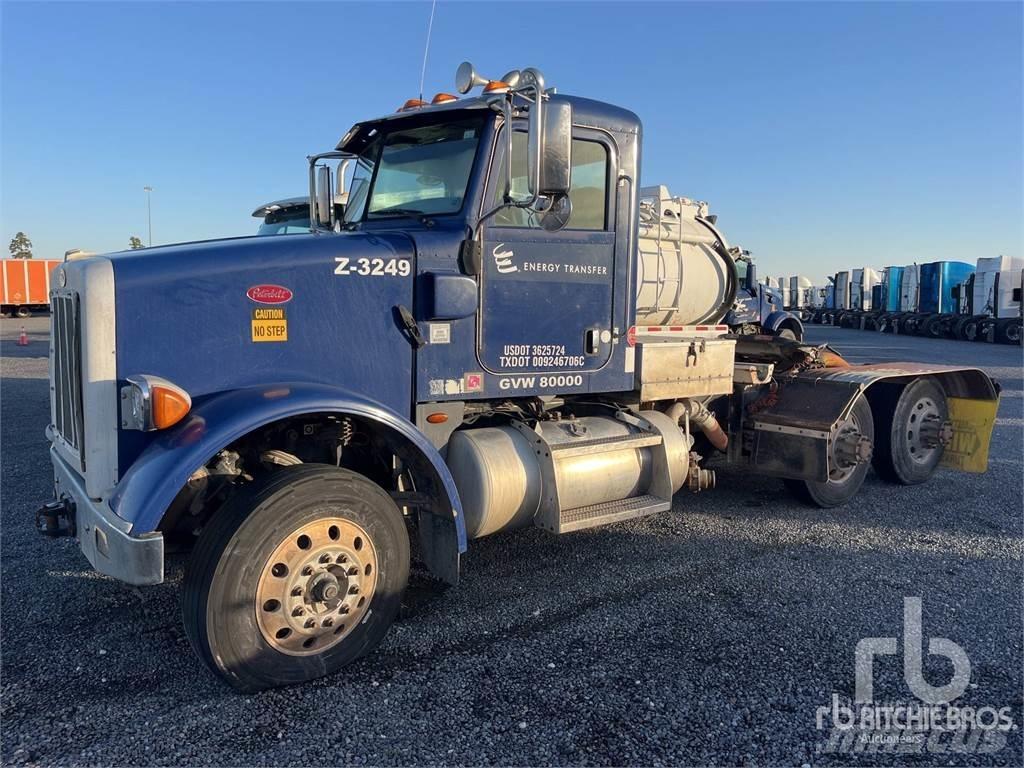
[(426, 48)]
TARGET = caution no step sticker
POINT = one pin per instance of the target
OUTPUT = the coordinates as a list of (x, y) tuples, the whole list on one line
[(269, 324)]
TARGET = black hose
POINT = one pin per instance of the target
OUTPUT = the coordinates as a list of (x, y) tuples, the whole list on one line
[(732, 280)]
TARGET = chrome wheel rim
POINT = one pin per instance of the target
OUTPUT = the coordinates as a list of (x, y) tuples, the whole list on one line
[(316, 586), (923, 430)]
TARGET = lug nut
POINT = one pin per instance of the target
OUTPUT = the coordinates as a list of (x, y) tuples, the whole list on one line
[(298, 611)]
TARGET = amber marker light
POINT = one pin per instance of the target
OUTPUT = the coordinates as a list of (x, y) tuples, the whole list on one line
[(443, 98), (437, 418), (411, 104), (496, 86), (149, 403)]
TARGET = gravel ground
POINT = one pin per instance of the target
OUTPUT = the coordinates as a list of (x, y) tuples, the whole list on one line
[(707, 635)]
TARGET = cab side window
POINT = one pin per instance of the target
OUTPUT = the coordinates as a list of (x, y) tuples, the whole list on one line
[(588, 190)]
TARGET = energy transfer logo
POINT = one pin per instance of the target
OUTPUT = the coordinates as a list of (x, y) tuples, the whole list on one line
[(503, 259), (931, 724)]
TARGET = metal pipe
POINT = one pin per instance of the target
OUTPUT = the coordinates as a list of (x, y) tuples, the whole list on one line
[(702, 418)]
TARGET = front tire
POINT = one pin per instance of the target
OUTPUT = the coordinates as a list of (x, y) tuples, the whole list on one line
[(295, 577), (844, 481)]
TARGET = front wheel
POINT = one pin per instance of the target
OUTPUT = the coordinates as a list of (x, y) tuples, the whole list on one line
[(23, 312), (786, 334), (296, 577), (848, 462)]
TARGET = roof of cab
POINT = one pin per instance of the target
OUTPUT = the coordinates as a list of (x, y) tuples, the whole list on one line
[(587, 112)]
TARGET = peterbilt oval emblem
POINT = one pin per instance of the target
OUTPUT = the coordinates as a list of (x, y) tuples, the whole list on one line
[(269, 294)]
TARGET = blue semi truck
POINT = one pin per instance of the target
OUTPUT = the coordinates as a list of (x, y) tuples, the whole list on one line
[(460, 350)]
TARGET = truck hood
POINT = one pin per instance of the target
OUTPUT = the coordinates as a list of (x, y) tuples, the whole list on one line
[(186, 312)]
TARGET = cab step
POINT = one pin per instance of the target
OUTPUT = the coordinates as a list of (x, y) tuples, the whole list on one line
[(610, 512)]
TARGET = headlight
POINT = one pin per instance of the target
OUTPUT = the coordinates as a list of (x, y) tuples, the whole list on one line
[(149, 403)]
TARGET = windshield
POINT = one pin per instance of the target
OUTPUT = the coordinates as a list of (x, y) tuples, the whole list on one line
[(416, 171), (285, 222)]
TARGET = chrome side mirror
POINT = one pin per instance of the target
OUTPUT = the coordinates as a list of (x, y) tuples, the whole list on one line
[(324, 197)]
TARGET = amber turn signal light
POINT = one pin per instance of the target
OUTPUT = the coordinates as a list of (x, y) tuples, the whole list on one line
[(170, 405), (443, 98), (150, 402)]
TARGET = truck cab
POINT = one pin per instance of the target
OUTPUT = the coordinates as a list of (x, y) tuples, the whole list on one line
[(459, 350), (758, 308)]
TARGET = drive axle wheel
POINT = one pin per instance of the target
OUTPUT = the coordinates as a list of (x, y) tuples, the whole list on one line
[(910, 444), (295, 577), (851, 451)]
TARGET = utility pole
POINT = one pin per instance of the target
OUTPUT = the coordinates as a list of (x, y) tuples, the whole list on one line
[(149, 211)]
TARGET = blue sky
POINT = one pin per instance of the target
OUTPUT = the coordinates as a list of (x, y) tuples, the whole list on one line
[(824, 135)]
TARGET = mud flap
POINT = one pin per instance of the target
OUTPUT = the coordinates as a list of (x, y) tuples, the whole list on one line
[(439, 546), (973, 421)]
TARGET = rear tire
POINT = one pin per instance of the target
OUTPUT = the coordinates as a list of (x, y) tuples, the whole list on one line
[(842, 485), (23, 312), (1008, 331), (899, 455), (257, 601)]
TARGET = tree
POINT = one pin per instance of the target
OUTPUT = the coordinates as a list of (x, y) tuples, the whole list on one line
[(135, 243), (21, 246)]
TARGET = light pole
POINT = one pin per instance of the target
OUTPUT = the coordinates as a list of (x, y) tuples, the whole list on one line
[(149, 211)]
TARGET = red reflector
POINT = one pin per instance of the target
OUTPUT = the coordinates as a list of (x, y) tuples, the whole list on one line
[(676, 328), (631, 336)]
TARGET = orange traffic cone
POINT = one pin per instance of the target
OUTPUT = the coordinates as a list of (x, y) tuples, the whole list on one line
[(23, 338)]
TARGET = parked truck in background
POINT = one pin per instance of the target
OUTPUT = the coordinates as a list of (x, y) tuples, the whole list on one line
[(25, 286), (990, 301), (283, 217), (491, 337), (759, 307)]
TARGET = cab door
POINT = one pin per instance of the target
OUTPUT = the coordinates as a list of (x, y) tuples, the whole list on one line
[(546, 297)]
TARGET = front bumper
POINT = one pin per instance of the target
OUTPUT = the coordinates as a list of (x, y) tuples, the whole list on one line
[(103, 537)]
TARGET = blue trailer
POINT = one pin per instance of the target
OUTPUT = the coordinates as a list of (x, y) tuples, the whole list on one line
[(459, 353)]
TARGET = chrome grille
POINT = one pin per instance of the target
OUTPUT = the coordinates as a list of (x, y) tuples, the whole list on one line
[(67, 369)]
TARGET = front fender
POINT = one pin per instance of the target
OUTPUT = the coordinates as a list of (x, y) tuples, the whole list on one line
[(780, 318), (154, 479)]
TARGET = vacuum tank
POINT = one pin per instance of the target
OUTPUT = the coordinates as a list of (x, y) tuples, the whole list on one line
[(685, 273)]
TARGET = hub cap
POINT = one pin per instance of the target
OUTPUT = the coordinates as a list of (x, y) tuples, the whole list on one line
[(926, 430), (850, 448), (316, 586)]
